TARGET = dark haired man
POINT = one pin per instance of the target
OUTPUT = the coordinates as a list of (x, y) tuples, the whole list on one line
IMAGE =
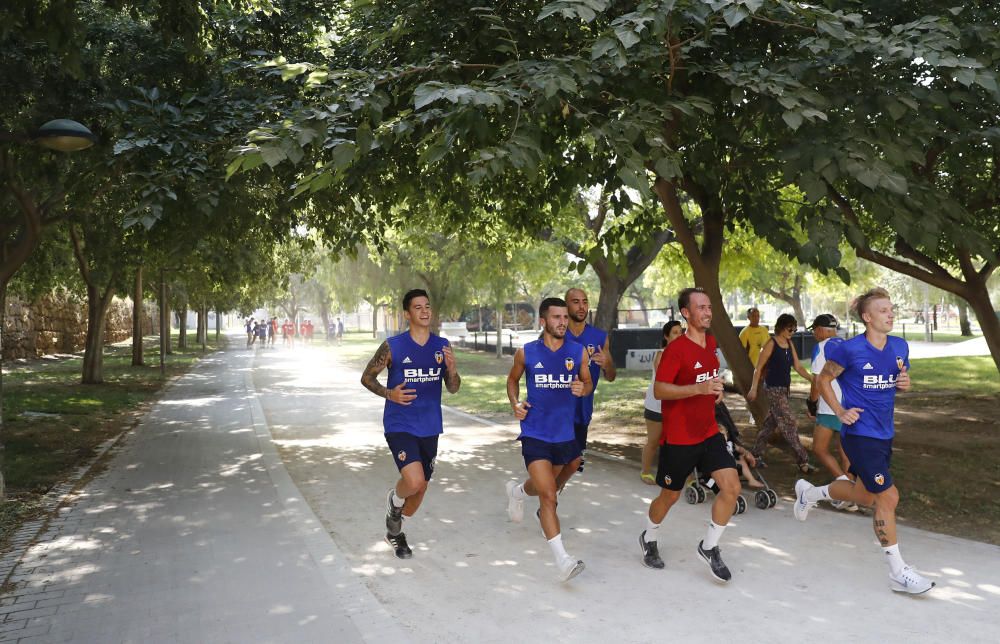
[(557, 375), (687, 381), (870, 368), (417, 361)]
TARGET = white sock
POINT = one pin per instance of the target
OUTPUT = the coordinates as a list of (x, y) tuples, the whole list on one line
[(519, 492), (820, 493), (651, 530), (894, 559), (396, 500), (558, 551), (713, 535)]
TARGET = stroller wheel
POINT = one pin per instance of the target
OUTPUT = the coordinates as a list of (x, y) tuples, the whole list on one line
[(741, 504), (691, 494), (761, 499), (701, 494), (772, 497)]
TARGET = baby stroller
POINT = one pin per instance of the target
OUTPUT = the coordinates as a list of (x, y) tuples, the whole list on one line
[(695, 491)]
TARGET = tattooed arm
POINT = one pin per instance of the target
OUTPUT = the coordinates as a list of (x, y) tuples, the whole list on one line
[(826, 377), (379, 362), (452, 381)]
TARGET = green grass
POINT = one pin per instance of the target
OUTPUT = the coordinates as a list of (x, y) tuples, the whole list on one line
[(970, 375), (40, 451)]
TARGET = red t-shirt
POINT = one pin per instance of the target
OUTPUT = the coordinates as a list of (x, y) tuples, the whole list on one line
[(688, 421)]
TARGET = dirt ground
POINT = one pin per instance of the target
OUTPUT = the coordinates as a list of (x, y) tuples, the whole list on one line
[(946, 459)]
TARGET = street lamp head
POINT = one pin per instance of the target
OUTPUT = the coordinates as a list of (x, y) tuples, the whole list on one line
[(64, 135)]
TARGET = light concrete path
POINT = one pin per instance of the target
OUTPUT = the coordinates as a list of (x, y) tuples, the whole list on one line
[(194, 534), (476, 577)]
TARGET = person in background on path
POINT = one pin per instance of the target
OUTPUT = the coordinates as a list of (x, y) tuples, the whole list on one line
[(688, 383), (775, 364), (418, 361), (870, 368), (261, 333), (824, 329), (250, 325), (340, 331), (557, 375), (302, 332), (272, 331), (652, 412), (595, 341), (287, 333), (754, 336)]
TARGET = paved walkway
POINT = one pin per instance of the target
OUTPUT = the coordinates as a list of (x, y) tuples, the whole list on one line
[(198, 533)]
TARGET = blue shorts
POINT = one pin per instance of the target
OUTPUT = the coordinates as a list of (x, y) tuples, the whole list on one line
[(580, 431), (534, 449), (829, 421), (870, 459), (407, 448)]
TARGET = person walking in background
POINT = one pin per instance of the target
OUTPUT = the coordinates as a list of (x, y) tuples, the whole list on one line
[(287, 333), (753, 337), (340, 331), (654, 408), (828, 426), (775, 364)]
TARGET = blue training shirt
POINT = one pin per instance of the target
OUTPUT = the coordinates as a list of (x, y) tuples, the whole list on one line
[(422, 368), (549, 377), (592, 340), (869, 382)]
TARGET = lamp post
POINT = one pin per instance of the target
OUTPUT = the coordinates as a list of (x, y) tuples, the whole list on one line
[(61, 135)]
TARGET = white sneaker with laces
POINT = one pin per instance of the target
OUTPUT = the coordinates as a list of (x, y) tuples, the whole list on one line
[(515, 506), (910, 581), (569, 568), (801, 506)]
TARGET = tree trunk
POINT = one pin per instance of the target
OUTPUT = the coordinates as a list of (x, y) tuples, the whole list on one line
[(499, 330), (963, 319), (642, 306), (375, 320), (988, 321), (182, 325), (612, 289), (97, 316), (137, 319), (3, 319), (218, 324)]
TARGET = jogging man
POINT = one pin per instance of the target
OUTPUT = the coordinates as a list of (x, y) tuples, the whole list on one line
[(417, 361), (595, 341), (824, 329), (688, 383), (557, 372), (870, 368)]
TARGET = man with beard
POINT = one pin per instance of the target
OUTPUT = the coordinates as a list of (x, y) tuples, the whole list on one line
[(557, 376), (595, 342)]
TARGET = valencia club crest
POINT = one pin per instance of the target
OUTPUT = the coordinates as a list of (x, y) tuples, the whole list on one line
[(570, 364), (439, 356)]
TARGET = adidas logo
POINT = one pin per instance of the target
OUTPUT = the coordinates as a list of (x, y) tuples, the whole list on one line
[(697, 365), (407, 360), (539, 366), (868, 365)]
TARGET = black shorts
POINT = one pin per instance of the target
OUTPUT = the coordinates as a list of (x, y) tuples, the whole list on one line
[(678, 461), (407, 448), (533, 449), (651, 415)]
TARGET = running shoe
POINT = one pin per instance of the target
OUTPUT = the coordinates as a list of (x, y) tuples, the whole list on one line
[(393, 515), (569, 568), (580, 466), (713, 558), (515, 506), (910, 581), (801, 506), (650, 552), (399, 545), (845, 506)]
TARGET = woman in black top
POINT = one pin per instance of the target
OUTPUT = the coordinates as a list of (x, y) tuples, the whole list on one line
[(775, 363)]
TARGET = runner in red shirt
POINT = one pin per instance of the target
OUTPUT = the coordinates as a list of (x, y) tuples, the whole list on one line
[(687, 381)]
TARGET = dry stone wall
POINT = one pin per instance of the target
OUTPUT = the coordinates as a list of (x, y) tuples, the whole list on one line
[(58, 324)]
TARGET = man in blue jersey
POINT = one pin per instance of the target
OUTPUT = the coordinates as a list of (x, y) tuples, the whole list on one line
[(557, 375), (870, 368), (418, 361), (595, 341)]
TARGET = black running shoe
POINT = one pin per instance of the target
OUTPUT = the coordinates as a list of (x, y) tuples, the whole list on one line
[(579, 468), (714, 560), (393, 515), (398, 543), (650, 552)]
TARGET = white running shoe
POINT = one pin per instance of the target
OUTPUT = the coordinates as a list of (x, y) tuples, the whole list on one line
[(515, 506), (801, 506), (910, 581), (569, 568)]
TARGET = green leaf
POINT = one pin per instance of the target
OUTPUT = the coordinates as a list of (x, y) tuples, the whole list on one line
[(793, 119), (734, 15), (667, 168), (603, 47), (987, 80), (965, 76), (272, 155), (833, 29), (627, 37), (895, 183), (343, 155), (868, 177)]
